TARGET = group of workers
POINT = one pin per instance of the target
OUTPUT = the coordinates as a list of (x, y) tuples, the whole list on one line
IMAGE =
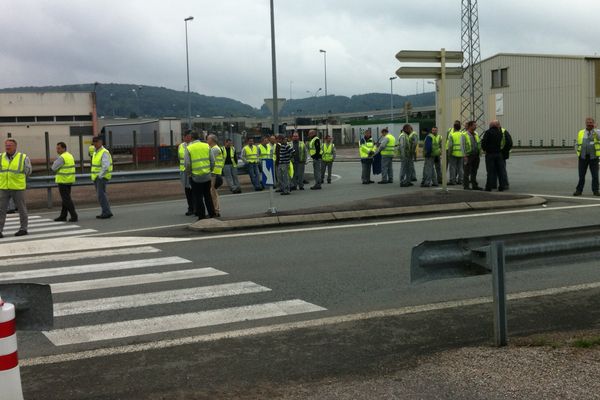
[(464, 147), (204, 164)]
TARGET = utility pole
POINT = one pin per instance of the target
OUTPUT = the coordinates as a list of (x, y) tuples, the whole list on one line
[(472, 84)]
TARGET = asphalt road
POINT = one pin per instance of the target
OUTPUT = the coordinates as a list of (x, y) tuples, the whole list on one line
[(259, 283)]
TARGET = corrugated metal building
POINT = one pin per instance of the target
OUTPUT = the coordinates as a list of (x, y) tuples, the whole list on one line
[(66, 116), (541, 99)]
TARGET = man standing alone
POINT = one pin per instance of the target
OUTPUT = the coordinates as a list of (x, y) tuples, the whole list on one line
[(328, 158), (588, 151), (64, 166), (15, 167), (102, 167), (314, 148)]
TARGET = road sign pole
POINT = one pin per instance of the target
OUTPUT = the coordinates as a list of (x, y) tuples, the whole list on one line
[(443, 122)]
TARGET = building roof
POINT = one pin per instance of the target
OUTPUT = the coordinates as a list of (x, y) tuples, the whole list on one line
[(565, 56)]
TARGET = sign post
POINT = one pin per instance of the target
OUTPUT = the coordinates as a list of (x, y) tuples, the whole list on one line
[(268, 179), (440, 73)]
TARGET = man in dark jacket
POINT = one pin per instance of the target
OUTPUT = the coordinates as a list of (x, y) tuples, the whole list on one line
[(494, 160)]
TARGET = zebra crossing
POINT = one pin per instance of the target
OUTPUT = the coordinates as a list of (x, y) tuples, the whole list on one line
[(142, 275), (40, 228)]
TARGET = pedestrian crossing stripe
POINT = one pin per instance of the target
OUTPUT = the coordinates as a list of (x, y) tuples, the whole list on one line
[(39, 259), (177, 322), (84, 269), (39, 228), (154, 298)]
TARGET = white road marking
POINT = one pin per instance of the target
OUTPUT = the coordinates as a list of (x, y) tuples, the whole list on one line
[(155, 298), (44, 235), (59, 245), (84, 269), (15, 217), (347, 226), (286, 327), (38, 221), (169, 323), (121, 281), (81, 255), (565, 197), (33, 230)]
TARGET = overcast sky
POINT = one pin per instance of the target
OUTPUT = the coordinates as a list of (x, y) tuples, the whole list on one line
[(55, 42)]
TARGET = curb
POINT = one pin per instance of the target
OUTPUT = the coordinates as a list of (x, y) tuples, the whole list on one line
[(216, 225)]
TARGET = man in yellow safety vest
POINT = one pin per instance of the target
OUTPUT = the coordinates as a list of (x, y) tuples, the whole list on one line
[(102, 167), (316, 153), (366, 150), (183, 176), (64, 167), (387, 148), (15, 167), (250, 158), (588, 152), (217, 171), (455, 146), (328, 158), (199, 163)]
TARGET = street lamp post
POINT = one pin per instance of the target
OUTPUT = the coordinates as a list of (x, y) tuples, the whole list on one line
[(187, 61), (274, 74), (325, 67), (392, 98)]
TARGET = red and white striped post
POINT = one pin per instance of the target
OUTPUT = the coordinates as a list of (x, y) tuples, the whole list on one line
[(10, 377)]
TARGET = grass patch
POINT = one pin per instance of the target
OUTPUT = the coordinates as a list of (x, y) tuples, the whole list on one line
[(586, 343)]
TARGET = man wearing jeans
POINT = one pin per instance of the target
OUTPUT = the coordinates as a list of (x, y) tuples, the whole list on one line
[(102, 167), (588, 151), (15, 167), (250, 156)]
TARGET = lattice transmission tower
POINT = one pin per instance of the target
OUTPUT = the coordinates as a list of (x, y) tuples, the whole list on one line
[(472, 84)]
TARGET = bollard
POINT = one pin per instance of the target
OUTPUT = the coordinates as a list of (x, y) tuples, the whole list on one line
[(10, 376)]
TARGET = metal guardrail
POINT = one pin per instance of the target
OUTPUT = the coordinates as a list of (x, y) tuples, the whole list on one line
[(464, 257), (167, 174)]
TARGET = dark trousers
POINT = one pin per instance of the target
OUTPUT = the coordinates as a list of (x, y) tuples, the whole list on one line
[(67, 202), (470, 171), (190, 199), (494, 164), (367, 164), (584, 164), (202, 198)]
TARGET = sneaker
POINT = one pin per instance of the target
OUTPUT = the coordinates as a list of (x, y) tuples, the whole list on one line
[(1, 235), (315, 188), (104, 216), (21, 232), (59, 219), (596, 193), (73, 219), (577, 193)]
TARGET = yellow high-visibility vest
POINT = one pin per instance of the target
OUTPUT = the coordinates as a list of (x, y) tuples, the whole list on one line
[(12, 173), (390, 148), (231, 151), (199, 158), (365, 148), (219, 162), (66, 173), (265, 151), (181, 155), (328, 152), (97, 164), (251, 154), (580, 142)]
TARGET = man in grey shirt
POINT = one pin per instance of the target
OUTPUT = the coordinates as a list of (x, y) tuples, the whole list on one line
[(15, 167)]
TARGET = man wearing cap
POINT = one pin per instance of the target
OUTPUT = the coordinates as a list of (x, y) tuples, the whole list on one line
[(15, 167), (64, 167), (183, 176), (102, 167)]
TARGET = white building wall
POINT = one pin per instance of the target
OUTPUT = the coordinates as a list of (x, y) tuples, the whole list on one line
[(547, 97)]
